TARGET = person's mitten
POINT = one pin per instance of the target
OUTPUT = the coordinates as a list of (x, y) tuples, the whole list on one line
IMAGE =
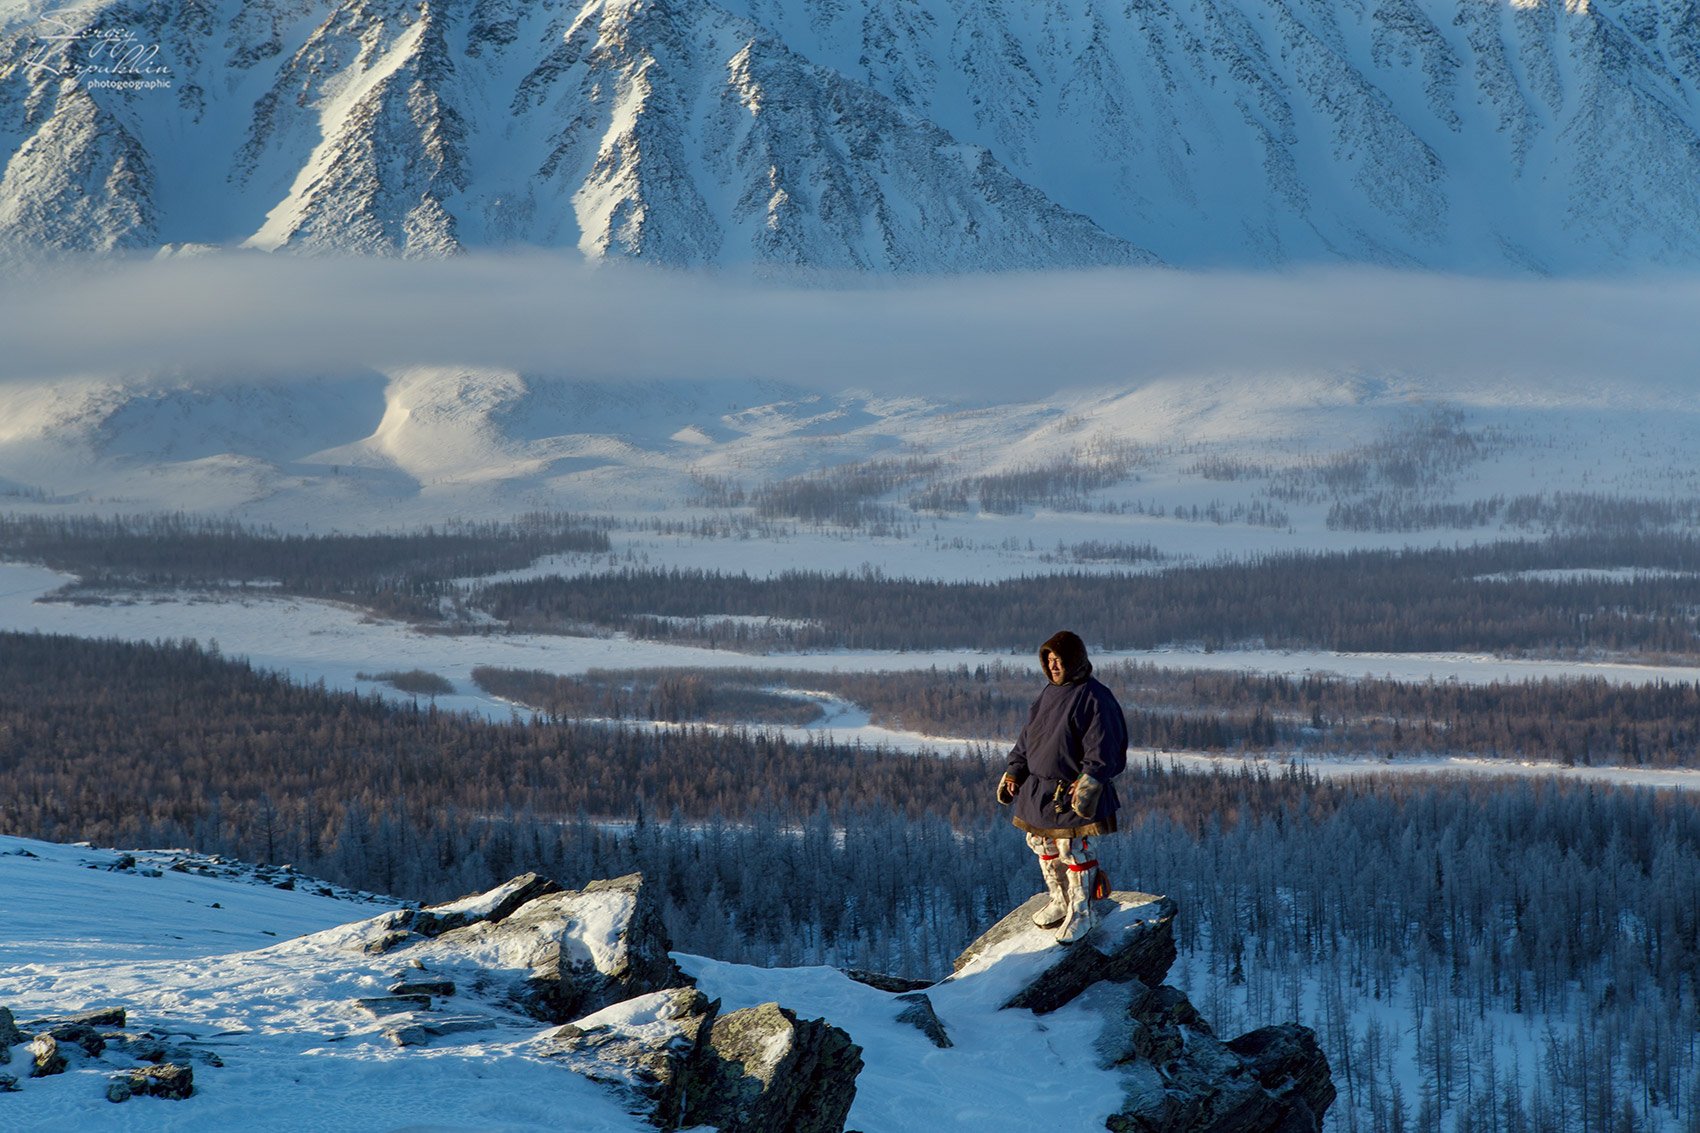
[(1007, 786), (1087, 791)]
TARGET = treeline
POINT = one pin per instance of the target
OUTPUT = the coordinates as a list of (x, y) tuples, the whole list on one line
[(401, 575), (850, 495), (843, 494), (176, 743), (1558, 512), (1411, 458), (1568, 913), (673, 696), (1571, 720), (1468, 598)]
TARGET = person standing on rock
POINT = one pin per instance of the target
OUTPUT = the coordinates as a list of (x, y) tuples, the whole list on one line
[(1060, 781)]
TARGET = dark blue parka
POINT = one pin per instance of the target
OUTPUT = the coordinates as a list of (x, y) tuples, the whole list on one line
[(1073, 727)]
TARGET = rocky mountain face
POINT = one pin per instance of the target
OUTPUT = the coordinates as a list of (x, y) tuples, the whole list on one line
[(884, 135)]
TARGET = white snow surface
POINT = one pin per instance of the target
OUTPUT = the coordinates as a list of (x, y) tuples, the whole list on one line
[(247, 980), (267, 980)]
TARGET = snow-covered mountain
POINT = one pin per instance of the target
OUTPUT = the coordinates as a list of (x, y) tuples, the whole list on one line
[(1544, 135)]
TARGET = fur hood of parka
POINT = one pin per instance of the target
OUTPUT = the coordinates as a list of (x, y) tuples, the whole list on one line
[(1071, 651)]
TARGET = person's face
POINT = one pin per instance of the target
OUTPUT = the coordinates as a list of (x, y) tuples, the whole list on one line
[(1054, 668)]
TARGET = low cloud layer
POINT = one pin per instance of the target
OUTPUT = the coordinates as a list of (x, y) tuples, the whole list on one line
[(977, 337)]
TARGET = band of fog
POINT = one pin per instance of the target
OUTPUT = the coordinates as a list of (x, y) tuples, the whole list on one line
[(995, 335)]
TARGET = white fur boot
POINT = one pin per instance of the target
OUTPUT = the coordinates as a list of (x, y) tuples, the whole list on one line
[(1056, 911), (1082, 917)]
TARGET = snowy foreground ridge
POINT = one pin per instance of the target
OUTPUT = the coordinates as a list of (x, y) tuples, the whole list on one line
[(162, 990)]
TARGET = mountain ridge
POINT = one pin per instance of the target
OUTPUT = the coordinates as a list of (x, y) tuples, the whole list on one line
[(869, 135)]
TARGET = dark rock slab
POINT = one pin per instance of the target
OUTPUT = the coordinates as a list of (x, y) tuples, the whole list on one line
[(920, 1014), (764, 1069), (1182, 1079), (1133, 940), (382, 1005), (1287, 1060), (101, 1017), (883, 982), (8, 1083), (419, 1032), (169, 1080), (492, 906), (646, 1047), (78, 1034), (10, 1036), (422, 987)]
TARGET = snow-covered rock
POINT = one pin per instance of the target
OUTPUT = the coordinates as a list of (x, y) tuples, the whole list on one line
[(890, 135), (276, 1041), (645, 1046), (554, 954), (1134, 939), (768, 1069)]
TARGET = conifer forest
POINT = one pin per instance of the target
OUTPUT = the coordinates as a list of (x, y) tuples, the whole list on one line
[(1485, 954)]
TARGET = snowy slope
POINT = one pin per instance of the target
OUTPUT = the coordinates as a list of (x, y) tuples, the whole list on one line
[(1554, 136), (425, 444), (264, 982), (224, 968)]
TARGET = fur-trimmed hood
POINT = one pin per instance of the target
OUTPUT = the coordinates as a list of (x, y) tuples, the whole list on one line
[(1067, 646)]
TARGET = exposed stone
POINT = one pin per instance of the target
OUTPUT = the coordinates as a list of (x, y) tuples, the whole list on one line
[(383, 932), (1182, 1079), (8, 1083), (1133, 940), (492, 906), (765, 1069), (1287, 1059), (101, 1017), (893, 984), (423, 987), (383, 1005), (170, 1080), (573, 952), (646, 1047), (10, 1036), (79, 1034), (45, 1058), (920, 1015), (420, 1032), (383, 942)]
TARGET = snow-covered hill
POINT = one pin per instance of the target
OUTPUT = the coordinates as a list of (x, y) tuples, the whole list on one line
[(287, 1009), (429, 444), (1543, 135)]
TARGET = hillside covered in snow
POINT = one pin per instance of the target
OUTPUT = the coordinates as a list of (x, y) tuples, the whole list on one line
[(200, 995), (1546, 136)]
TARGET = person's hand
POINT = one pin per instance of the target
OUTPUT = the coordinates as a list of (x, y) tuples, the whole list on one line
[(1084, 797), (1007, 786)]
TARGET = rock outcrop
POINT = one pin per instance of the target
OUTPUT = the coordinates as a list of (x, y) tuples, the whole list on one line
[(646, 1047), (767, 1069), (167, 1080), (559, 953), (10, 1036), (1180, 1077), (597, 960), (1132, 941)]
